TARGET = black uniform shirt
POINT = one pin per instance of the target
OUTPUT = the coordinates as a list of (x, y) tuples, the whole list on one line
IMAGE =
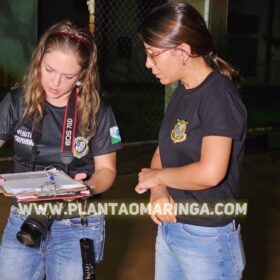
[(212, 108), (12, 125)]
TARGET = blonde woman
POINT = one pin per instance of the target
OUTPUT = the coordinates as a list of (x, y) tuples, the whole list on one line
[(58, 119)]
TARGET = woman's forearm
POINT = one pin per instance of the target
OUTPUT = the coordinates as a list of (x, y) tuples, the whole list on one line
[(156, 162), (102, 180), (194, 176)]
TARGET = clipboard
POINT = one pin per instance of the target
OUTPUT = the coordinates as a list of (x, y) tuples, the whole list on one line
[(28, 186)]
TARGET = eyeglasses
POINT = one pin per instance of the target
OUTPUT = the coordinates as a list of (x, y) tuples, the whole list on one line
[(152, 56)]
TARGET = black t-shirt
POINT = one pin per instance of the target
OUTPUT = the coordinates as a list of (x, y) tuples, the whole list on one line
[(14, 126), (212, 108)]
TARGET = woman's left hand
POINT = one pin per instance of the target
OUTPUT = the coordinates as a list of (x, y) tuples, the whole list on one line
[(147, 178), (80, 176)]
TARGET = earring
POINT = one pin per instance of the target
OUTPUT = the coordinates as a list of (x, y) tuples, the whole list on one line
[(78, 83)]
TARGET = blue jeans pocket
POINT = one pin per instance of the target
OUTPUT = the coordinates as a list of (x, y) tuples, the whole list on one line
[(91, 221), (197, 233), (236, 250), (94, 229)]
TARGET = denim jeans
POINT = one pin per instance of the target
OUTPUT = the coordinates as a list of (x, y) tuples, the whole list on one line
[(189, 252), (59, 254)]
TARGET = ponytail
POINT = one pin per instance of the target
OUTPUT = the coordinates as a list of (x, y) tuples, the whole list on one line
[(225, 68)]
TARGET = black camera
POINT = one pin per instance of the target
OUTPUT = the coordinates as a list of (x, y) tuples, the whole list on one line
[(33, 229)]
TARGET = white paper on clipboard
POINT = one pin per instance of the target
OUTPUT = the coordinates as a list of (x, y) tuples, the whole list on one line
[(16, 183)]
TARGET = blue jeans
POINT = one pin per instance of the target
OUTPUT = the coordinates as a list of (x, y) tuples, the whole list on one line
[(188, 252), (59, 254)]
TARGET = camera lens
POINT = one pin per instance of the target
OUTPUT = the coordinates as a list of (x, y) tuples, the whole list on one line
[(32, 230)]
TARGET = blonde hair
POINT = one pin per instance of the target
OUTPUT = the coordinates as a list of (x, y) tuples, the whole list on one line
[(64, 35)]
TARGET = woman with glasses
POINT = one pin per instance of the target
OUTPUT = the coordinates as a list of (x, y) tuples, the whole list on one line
[(201, 144)]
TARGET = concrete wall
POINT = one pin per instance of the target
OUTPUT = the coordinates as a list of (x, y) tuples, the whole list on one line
[(218, 21), (200, 6), (18, 36)]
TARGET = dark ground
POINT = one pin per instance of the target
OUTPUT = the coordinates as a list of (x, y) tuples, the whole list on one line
[(129, 249)]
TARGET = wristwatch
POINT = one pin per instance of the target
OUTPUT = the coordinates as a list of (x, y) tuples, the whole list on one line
[(90, 187)]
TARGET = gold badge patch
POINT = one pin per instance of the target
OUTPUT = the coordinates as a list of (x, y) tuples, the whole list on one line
[(80, 147), (178, 133)]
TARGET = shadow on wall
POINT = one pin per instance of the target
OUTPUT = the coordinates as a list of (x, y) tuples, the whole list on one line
[(7, 80), (18, 32)]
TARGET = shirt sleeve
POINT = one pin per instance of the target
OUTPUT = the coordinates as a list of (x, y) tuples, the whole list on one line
[(223, 114), (8, 116), (107, 138)]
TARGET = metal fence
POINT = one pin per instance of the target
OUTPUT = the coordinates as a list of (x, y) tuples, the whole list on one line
[(135, 95)]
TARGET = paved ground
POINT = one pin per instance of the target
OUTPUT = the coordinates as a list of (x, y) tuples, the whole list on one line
[(129, 250)]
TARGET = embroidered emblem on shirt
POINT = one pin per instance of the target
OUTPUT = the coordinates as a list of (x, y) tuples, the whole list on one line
[(80, 147), (178, 133), (115, 135)]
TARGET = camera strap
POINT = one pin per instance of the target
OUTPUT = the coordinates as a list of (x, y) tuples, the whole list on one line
[(36, 135), (68, 133), (69, 130)]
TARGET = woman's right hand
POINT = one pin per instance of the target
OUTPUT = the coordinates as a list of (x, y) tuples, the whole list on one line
[(162, 206)]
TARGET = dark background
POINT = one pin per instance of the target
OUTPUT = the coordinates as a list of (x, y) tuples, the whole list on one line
[(138, 101)]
